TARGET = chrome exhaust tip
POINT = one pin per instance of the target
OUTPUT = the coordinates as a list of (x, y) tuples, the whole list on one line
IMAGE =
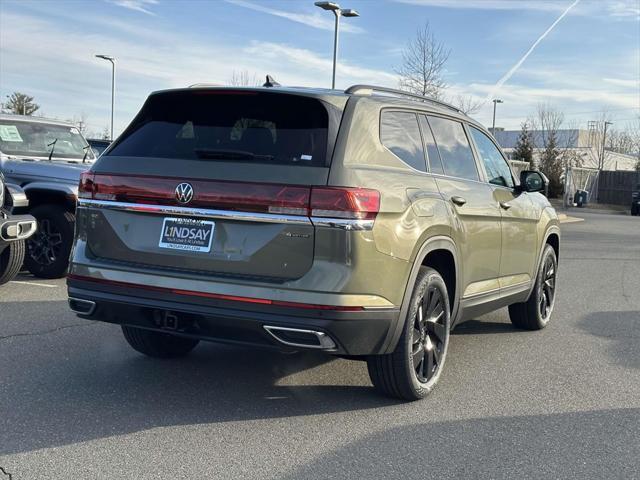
[(301, 338), (83, 307)]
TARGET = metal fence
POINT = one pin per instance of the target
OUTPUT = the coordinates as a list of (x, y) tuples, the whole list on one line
[(615, 188)]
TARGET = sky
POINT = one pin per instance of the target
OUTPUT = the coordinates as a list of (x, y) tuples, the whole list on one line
[(580, 57)]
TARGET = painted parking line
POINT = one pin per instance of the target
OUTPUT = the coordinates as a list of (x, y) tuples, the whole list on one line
[(34, 284)]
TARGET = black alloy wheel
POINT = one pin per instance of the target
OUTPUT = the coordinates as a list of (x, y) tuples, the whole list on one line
[(429, 335)]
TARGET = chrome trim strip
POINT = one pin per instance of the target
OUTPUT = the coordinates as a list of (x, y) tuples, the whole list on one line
[(325, 341), (195, 212), (343, 223)]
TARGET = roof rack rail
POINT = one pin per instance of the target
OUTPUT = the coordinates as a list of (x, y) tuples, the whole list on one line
[(369, 89), (199, 85)]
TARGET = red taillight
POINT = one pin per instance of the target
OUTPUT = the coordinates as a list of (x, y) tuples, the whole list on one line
[(326, 202), (85, 188), (358, 203)]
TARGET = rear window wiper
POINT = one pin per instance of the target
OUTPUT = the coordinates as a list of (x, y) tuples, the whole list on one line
[(230, 154)]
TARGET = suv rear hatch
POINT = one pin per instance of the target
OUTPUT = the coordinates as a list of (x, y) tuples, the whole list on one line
[(214, 181)]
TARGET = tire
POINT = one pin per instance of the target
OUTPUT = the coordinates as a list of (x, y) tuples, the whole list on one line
[(49, 248), (535, 313), (157, 344), (11, 259), (400, 374)]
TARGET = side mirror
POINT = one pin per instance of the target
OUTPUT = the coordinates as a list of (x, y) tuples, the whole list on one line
[(532, 181)]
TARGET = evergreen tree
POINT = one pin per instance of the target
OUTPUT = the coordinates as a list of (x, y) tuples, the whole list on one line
[(551, 165), (21, 104), (524, 146)]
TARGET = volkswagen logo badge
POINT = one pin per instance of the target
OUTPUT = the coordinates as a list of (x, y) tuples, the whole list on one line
[(184, 193)]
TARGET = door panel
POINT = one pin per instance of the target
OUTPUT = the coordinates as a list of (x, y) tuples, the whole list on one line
[(476, 231), (519, 237)]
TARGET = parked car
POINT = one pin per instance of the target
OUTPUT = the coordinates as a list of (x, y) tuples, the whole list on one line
[(98, 145), (365, 223), (635, 201), (14, 230), (45, 157)]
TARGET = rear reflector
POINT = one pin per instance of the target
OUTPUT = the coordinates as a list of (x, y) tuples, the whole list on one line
[(216, 296), (327, 202)]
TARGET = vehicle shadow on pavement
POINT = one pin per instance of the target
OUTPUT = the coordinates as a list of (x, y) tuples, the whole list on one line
[(622, 329), (595, 444), (479, 327), (79, 384)]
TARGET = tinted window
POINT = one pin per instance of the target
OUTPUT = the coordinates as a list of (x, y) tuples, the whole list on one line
[(435, 164), (498, 171), (399, 132), (217, 125), (453, 145)]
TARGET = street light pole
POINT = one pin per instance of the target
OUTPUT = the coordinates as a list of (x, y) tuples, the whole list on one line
[(495, 102), (113, 86), (337, 12), (604, 139)]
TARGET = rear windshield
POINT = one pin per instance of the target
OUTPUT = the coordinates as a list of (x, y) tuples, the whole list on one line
[(213, 125)]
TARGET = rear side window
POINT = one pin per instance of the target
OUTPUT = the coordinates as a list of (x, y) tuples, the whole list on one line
[(212, 125), (498, 171), (399, 132), (435, 164), (454, 148)]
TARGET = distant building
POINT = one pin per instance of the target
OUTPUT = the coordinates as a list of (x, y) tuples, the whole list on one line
[(583, 148)]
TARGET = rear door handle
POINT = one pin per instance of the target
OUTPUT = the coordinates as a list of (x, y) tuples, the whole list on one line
[(505, 205), (458, 200)]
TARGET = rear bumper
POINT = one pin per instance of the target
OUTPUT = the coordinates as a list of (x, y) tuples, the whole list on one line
[(360, 332), (16, 227)]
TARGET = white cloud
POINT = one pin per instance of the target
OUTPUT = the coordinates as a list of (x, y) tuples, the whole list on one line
[(153, 59), (321, 20), (136, 5), (622, 82), (624, 9), (617, 9), (544, 5)]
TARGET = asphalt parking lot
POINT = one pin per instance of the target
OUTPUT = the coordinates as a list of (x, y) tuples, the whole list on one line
[(77, 402)]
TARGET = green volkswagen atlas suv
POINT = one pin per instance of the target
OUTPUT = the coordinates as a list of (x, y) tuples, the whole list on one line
[(364, 223)]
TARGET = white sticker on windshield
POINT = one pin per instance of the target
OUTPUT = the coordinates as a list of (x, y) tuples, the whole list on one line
[(306, 157), (10, 133)]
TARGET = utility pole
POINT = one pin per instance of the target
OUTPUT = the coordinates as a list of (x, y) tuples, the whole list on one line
[(604, 139)]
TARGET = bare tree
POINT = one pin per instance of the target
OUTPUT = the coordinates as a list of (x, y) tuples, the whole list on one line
[(243, 79), (81, 122), (467, 103), (423, 62)]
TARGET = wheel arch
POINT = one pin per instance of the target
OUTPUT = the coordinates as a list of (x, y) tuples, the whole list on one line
[(40, 193), (551, 237), (437, 251)]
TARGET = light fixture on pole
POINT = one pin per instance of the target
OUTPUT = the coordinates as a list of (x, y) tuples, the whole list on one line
[(337, 12), (495, 102), (113, 85)]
